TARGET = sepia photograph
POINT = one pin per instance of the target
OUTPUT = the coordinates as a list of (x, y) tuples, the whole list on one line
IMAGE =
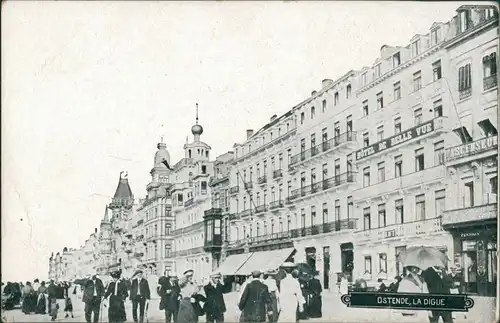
[(249, 161)]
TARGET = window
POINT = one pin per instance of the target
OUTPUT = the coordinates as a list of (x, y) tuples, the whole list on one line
[(493, 185), (438, 108), (469, 194), (366, 176), (337, 168), (382, 221), (435, 36), (380, 133), (349, 163), (366, 219), (415, 48), (325, 213), (289, 156), (377, 71), (302, 117), (439, 153), (381, 172), (436, 70), (420, 207), (336, 98), (382, 262), (348, 91), (324, 106), (336, 130), (417, 81), (397, 91), (399, 208), (313, 140), (396, 60), (439, 197), (349, 124), (168, 228), (350, 207), (464, 78), (419, 160), (417, 116), (368, 265), (464, 18), (380, 100), (313, 216), (489, 71), (313, 112), (365, 108), (366, 139), (397, 125), (337, 210), (325, 172), (303, 218), (313, 176), (280, 161), (363, 79)]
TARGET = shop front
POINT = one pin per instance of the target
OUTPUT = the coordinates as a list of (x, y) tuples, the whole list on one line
[(476, 256)]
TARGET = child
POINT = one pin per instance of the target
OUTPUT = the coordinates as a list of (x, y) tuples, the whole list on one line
[(53, 308), (68, 307)]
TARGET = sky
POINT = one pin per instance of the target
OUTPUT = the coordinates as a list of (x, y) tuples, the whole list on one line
[(88, 89)]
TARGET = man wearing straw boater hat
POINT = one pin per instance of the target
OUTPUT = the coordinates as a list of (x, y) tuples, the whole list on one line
[(117, 293), (215, 306), (140, 295)]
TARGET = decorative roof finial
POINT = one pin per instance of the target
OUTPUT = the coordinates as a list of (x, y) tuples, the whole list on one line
[(196, 113), (196, 130)]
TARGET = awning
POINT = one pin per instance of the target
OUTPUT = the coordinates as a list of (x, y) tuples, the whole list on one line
[(265, 260), (232, 263)]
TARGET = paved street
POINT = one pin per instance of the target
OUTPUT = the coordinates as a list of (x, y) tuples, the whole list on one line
[(333, 311)]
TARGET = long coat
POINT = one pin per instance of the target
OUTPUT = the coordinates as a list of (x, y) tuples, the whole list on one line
[(143, 289), (117, 296), (254, 302), (170, 294), (215, 299), (88, 292)]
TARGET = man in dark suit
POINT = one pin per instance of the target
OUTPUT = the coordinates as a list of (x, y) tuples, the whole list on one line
[(169, 292), (215, 306), (139, 295), (92, 296), (255, 300), (438, 282)]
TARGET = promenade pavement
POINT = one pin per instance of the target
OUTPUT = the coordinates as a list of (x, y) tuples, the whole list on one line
[(333, 311)]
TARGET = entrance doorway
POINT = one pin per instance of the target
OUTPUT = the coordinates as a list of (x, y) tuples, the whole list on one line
[(347, 259), (326, 267), (311, 257)]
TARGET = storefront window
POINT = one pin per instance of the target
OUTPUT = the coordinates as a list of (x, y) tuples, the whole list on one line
[(469, 265), (492, 262)]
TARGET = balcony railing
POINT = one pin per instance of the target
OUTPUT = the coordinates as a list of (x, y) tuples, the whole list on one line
[(489, 82), (188, 252), (234, 190), (465, 93), (245, 213), (278, 173), (262, 180), (408, 229), (233, 216), (275, 204), (324, 146), (470, 214), (337, 180), (248, 185), (270, 237), (189, 202), (261, 208), (339, 225)]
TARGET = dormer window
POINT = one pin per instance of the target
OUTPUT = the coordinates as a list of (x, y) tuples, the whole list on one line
[(464, 17), (396, 60), (435, 36), (415, 48), (377, 71), (348, 91), (313, 112), (336, 98)]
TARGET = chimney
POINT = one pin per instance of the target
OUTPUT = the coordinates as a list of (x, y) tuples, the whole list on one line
[(95, 230), (313, 93), (273, 117), (249, 133), (326, 82)]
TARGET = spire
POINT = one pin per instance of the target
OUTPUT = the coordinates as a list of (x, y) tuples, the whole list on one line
[(196, 130), (106, 217), (196, 113), (123, 194)]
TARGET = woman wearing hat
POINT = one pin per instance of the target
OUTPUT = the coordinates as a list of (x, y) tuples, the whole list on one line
[(117, 293), (187, 312)]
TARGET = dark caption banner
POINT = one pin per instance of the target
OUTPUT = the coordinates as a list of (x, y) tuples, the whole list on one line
[(441, 302)]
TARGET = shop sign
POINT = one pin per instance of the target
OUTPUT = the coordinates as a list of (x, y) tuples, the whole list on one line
[(471, 148), (396, 140), (470, 234)]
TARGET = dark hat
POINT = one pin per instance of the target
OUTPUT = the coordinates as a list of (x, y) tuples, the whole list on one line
[(116, 274), (189, 272), (138, 271)]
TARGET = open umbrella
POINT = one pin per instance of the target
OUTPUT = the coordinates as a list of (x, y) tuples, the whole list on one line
[(423, 257)]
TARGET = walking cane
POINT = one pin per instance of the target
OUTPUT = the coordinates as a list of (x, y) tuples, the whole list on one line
[(146, 310)]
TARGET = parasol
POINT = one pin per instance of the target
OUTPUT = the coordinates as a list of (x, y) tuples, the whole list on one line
[(423, 257)]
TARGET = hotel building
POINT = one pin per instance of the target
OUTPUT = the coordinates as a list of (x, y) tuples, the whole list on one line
[(411, 99), (472, 157)]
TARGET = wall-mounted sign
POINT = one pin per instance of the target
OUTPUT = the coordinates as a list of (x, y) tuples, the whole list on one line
[(396, 140), (471, 148)]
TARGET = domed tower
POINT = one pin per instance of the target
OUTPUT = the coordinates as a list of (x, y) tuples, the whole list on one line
[(160, 171), (197, 150)]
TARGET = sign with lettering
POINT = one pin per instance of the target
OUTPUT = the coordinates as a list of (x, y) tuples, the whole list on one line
[(471, 148), (415, 132)]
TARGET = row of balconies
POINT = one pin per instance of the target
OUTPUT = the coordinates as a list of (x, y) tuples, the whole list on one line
[(188, 252), (277, 174), (326, 145), (325, 184)]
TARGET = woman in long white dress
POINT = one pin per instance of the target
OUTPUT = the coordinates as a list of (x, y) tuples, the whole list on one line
[(343, 289), (291, 297)]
